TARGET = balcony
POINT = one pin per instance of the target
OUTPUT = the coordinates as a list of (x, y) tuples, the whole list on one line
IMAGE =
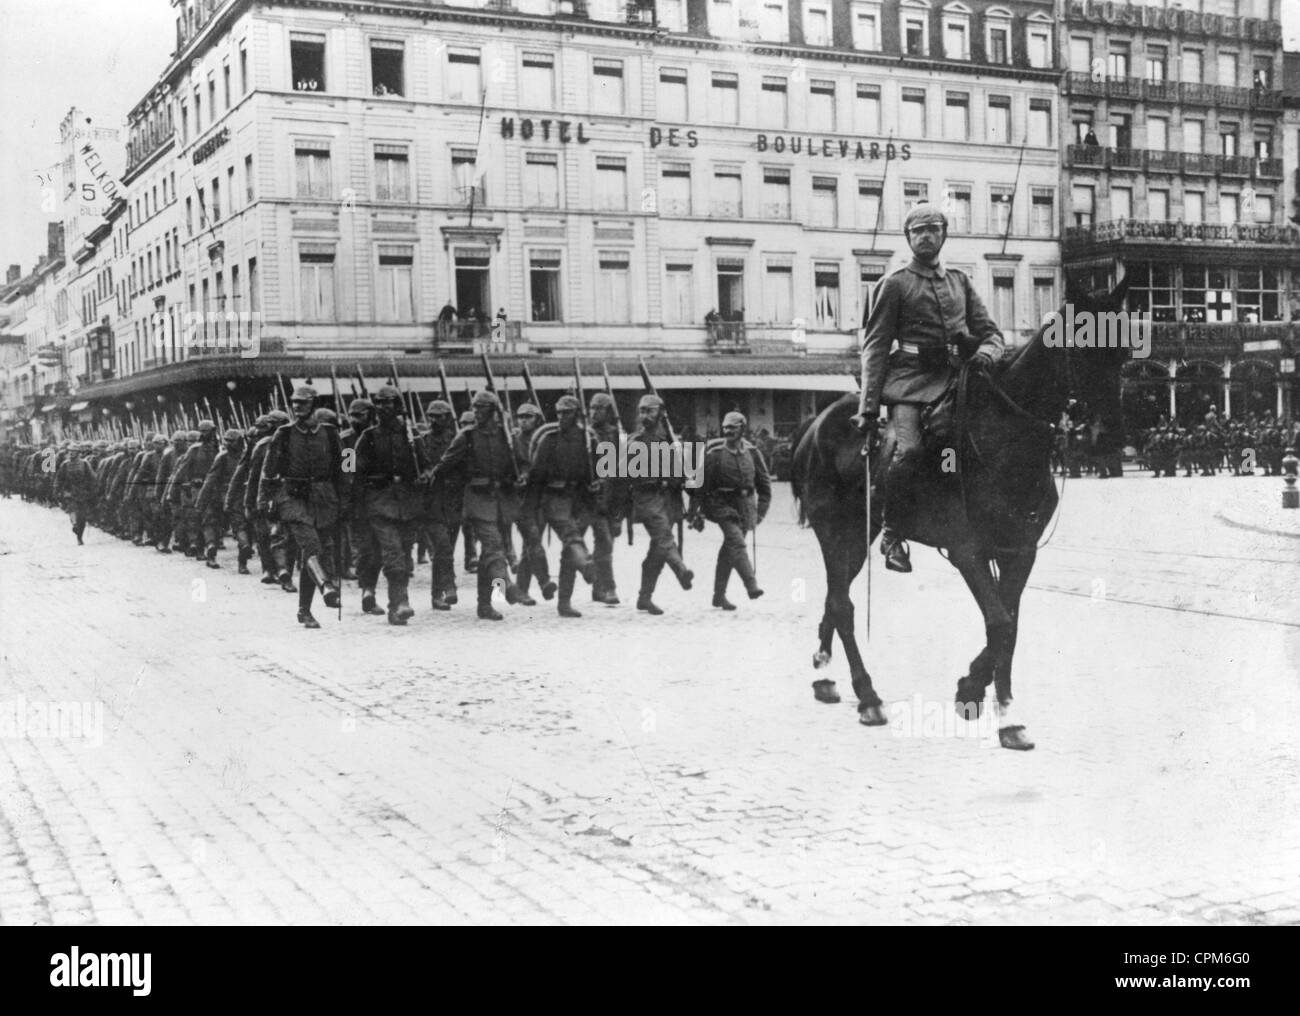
[(1197, 162), (725, 209), (1200, 95), (1160, 91), (1081, 83), (726, 337), (1269, 169), (1147, 230), (1236, 165), (1087, 155), (1213, 340), (1165, 162), (468, 336), (1127, 158)]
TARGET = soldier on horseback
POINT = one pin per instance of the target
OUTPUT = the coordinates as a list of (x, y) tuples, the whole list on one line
[(938, 320)]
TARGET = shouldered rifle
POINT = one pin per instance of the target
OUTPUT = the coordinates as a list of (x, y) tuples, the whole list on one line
[(338, 398), (582, 414), (532, 391), (410, 426), (672, 435), (446, 394), (508, 423), (622, 433), (361, 377)]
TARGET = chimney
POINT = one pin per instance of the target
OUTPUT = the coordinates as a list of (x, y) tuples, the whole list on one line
[(54, 234), (14, 273)]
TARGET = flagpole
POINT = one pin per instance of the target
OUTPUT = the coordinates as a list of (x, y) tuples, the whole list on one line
[(478, 154)]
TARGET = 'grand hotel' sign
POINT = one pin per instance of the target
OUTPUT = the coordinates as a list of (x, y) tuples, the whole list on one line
[(1123, 15)]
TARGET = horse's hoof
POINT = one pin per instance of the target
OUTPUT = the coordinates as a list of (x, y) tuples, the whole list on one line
[(970, 699), (1015, 739), (824, 691), (871, 716), (820, 659)]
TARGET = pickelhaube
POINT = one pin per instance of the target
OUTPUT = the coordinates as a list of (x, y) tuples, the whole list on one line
[(650, 402), (439, 406), (567, 402), (735, 418), (233, 435), (601, 400), (388, 393), (486, 398), (303, 394), (528, 409)]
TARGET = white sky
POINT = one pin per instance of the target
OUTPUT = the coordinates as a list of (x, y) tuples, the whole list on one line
[(103, 55)]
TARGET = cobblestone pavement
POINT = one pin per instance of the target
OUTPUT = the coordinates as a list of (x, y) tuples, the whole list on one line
[(673, 769)]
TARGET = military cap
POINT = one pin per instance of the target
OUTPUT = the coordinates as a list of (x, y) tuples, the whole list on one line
[(528, 409), (387, 392), (180, 435), (101, 446), (365, 404), (325, 415), (303, 394), (233, 435), (601, 399), (733, 418), (262, 420), (439, 406), (132, 443), (278, 417), (650, 402), (466, 417), (206, 425), (193, 435), (567, 402), (160, 439), (486, 398), (925, 212)]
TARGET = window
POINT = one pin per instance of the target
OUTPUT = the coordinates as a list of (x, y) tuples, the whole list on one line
[(1228, 138), (914, 110), (198, 111), (1227, 68), (915, 30), (866, 27), (541, 180), (672, 15), (816, 25), (212, 98), (1040, 122), (1040, 45), (1157, 63), (869, 276), (825, 202), (243, 70), (189, 216), (1193, 206), (1121, 130), (731, 288), (1004, 299), (307, 62), (679, 293), (826, 294), (774, 22), (312, 161), (776, 193), (608, 75), (395, 292), (216, 199), (997, 27), (472, 266), (1121, 202), (185, 124), (778, 290), (1263, 143), (1044, 297), (1193, 65), (724, 102), (1229, 208), (248, 178), (914, 193), (230, 187), (613, 288), (1042, 211), (956, 116), (773, 104), (254, 294), (464, 173), (1117, 59), (544, 285), (675, 188), (1262, 75), (1157, 133), (722, 19), (537, 80), (725, 201), (869, 194), (464, 82), (957, 206), (672, 93), (1258, 298), (611, 183), (999, 119), (867, 113), (392, 173), (1080, 54), (1194, 136), (1082, 198), (821, 105), (387, 60), (316, 280), (1158, 204), (1001, 198), (225, 81), (956, 35)]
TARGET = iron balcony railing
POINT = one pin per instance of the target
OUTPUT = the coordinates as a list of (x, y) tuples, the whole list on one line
[(1082, 84), (1118, 230)]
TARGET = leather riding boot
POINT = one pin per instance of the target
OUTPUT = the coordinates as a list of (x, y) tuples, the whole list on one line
[(746, 572), (649, 579), (523, 576), (306, 593), (604, 590), (245, 555), (894, 549), (368, 604), (567, 575), (721, 573), (329, 592), (684, 575), (486, 611)]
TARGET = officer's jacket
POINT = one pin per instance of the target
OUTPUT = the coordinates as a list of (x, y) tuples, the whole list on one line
[(736, 484), (75, 479), (491, 463), (562, 459), (303, 473), (387, 465), (927, 308), (215, 485)]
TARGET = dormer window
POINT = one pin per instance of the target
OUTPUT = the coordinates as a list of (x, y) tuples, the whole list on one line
[(1038, 38), (914, 18), (997, 35), (956, 32), (866, 27)]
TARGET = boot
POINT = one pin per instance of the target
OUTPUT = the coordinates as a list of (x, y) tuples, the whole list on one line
[(649, 578), (746, 573), (211, 557), (399, 606), (603, 591), (368, 604), (269, 579), (286, 581), (721, 574), (329, 593), (486, 611), (438, 600), (244, 554), (684, 575), (564, 606), (305, 595), (523, 576), (306, 620), (471, 557), (894, 549)]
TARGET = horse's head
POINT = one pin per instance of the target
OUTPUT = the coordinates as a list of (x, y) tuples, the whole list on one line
[(1091, 372)]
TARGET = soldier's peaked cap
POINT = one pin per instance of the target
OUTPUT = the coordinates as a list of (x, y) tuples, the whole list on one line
[(180, 435), (440, 406), (303, 394), (206, 425), (527, 409), (278, 416), (924, 212), (485, 398), (650, 402), (601, 399), (234, 435), (360, 403), (567, 402), (386, 393), (737, 418)]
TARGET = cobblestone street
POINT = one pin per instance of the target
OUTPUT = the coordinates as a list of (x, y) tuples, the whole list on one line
[(673, 769)]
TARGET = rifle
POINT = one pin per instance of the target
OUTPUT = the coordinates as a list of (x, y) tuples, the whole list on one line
[(672, 435), (532, 392), (509, 423), (446, 394), (622, 433), (338, 399), (582, 414), (212, 414), (362, 378), (410, 427)]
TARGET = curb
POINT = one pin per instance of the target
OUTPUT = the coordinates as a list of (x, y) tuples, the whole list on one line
[(1236, 523)]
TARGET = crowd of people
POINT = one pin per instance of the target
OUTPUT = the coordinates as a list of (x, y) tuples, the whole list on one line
[(318, 501), (1250, 446)]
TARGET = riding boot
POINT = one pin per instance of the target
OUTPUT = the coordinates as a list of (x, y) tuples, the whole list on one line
[(329, 593), (306, 593), (894, 549), (486, 611), (746, 572), (211, 556), (368, 604), (245, 555), (649, 579), (523, 576), (567, 575), (605, 589), (721, 573), (471, 556)]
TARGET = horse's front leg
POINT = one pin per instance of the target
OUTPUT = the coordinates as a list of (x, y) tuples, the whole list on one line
[(1013, 575)]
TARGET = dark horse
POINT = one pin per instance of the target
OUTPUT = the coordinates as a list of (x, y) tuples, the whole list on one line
[(988, 515)]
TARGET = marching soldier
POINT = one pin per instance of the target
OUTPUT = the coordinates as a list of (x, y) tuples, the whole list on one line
[(210, 503), (657, 505), (734, 472), (166, 465), (360, 549), (273, 543), (561, 472), (75, 482), (388, 466), (302, 480), (443, 505), (232, 500), (604, 518), (185, 483), (532, 562), (495, 479), (467, 419)]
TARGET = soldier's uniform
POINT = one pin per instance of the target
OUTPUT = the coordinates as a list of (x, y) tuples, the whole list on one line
[(442, 507), (360, 548), (75, 482), (164, 516), (532, 560), (657, 505), (210, 503), (232, 500), (302, 479), (605, 521), (561, 474), (492, 495), (274, 547), (735, 495)]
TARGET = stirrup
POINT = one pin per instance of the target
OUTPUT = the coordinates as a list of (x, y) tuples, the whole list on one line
[(897, 554)]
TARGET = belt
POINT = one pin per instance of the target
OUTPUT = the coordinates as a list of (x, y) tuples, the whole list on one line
[(481, 483), (734, 490), (918, 350), (563, 485)]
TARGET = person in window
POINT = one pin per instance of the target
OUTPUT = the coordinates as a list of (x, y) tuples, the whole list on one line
[(1090, 139), (711, 322)]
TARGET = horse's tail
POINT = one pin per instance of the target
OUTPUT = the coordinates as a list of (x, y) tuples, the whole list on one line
[(796, 470)]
